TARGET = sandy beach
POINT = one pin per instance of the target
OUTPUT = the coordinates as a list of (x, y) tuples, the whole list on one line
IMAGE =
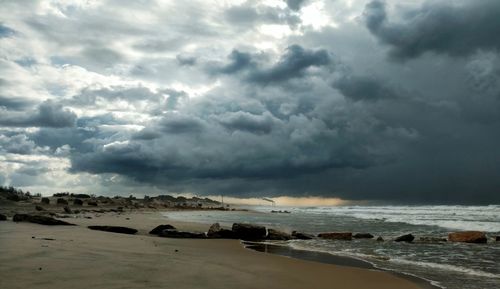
[(81, 258)]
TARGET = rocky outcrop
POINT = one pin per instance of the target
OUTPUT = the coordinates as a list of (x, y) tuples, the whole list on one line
[(249, 232), (45, 201), (3, 217), (114, 229), (217, 232), (273, 234), (61, 201), (363, 236), (432, 240), (336, 236), (39, 208), (77, 202), (42, 220), (380, 239), (180, 234), (302, 236), (468, 237), (405, 238), (160, 228)]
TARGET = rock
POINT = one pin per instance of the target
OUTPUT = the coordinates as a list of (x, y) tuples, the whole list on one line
[(497, 238), (302, 236), (160, 228), (432, 240), (45, 201), (114, 229), (468, 237), (216, 232), (180, 234), (92, 203), (249, 232), (214, 229), (77, 202), (39, 208), (336, 236), (363, 236), (61, 201), (405, 238), (3, 217), (42, 220), (380, 239), (67, 210), (273, 234)]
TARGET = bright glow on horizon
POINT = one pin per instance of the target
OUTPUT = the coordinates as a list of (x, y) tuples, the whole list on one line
[(284, 201)]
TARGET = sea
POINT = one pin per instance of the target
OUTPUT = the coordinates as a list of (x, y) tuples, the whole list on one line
[(446, 265)]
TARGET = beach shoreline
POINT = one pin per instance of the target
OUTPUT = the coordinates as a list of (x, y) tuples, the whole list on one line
[(38, 256)]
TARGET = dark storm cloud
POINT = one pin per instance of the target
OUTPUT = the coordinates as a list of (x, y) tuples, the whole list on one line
[(78, 138), (248, 122), (47, 114), (10, 103), (364, 88), (293, 63), (439, 27), (174, 123), (238, 61), (295, 4), (219, 104)]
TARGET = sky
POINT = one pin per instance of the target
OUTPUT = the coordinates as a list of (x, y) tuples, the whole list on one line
[(388, 101)]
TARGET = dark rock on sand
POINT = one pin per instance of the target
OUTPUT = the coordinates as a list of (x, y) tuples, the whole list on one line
[(3, 217), (468, 237), (380, 239), (336, 236), (363, 236), (114, 229), (180, 234), (249, 232), (77, 202), (45, 201), (92, 203), (42, 220), (432, 240), (405, 238), (217, 232), (61, 201), (39, 208), (67, 210), (273, 234), (302, 236), (160, 228)]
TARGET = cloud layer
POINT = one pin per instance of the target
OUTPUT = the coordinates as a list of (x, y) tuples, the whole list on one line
[(360, 100)]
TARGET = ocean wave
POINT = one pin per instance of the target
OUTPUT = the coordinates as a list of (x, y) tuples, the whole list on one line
[(447, 267), (483, 218)]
